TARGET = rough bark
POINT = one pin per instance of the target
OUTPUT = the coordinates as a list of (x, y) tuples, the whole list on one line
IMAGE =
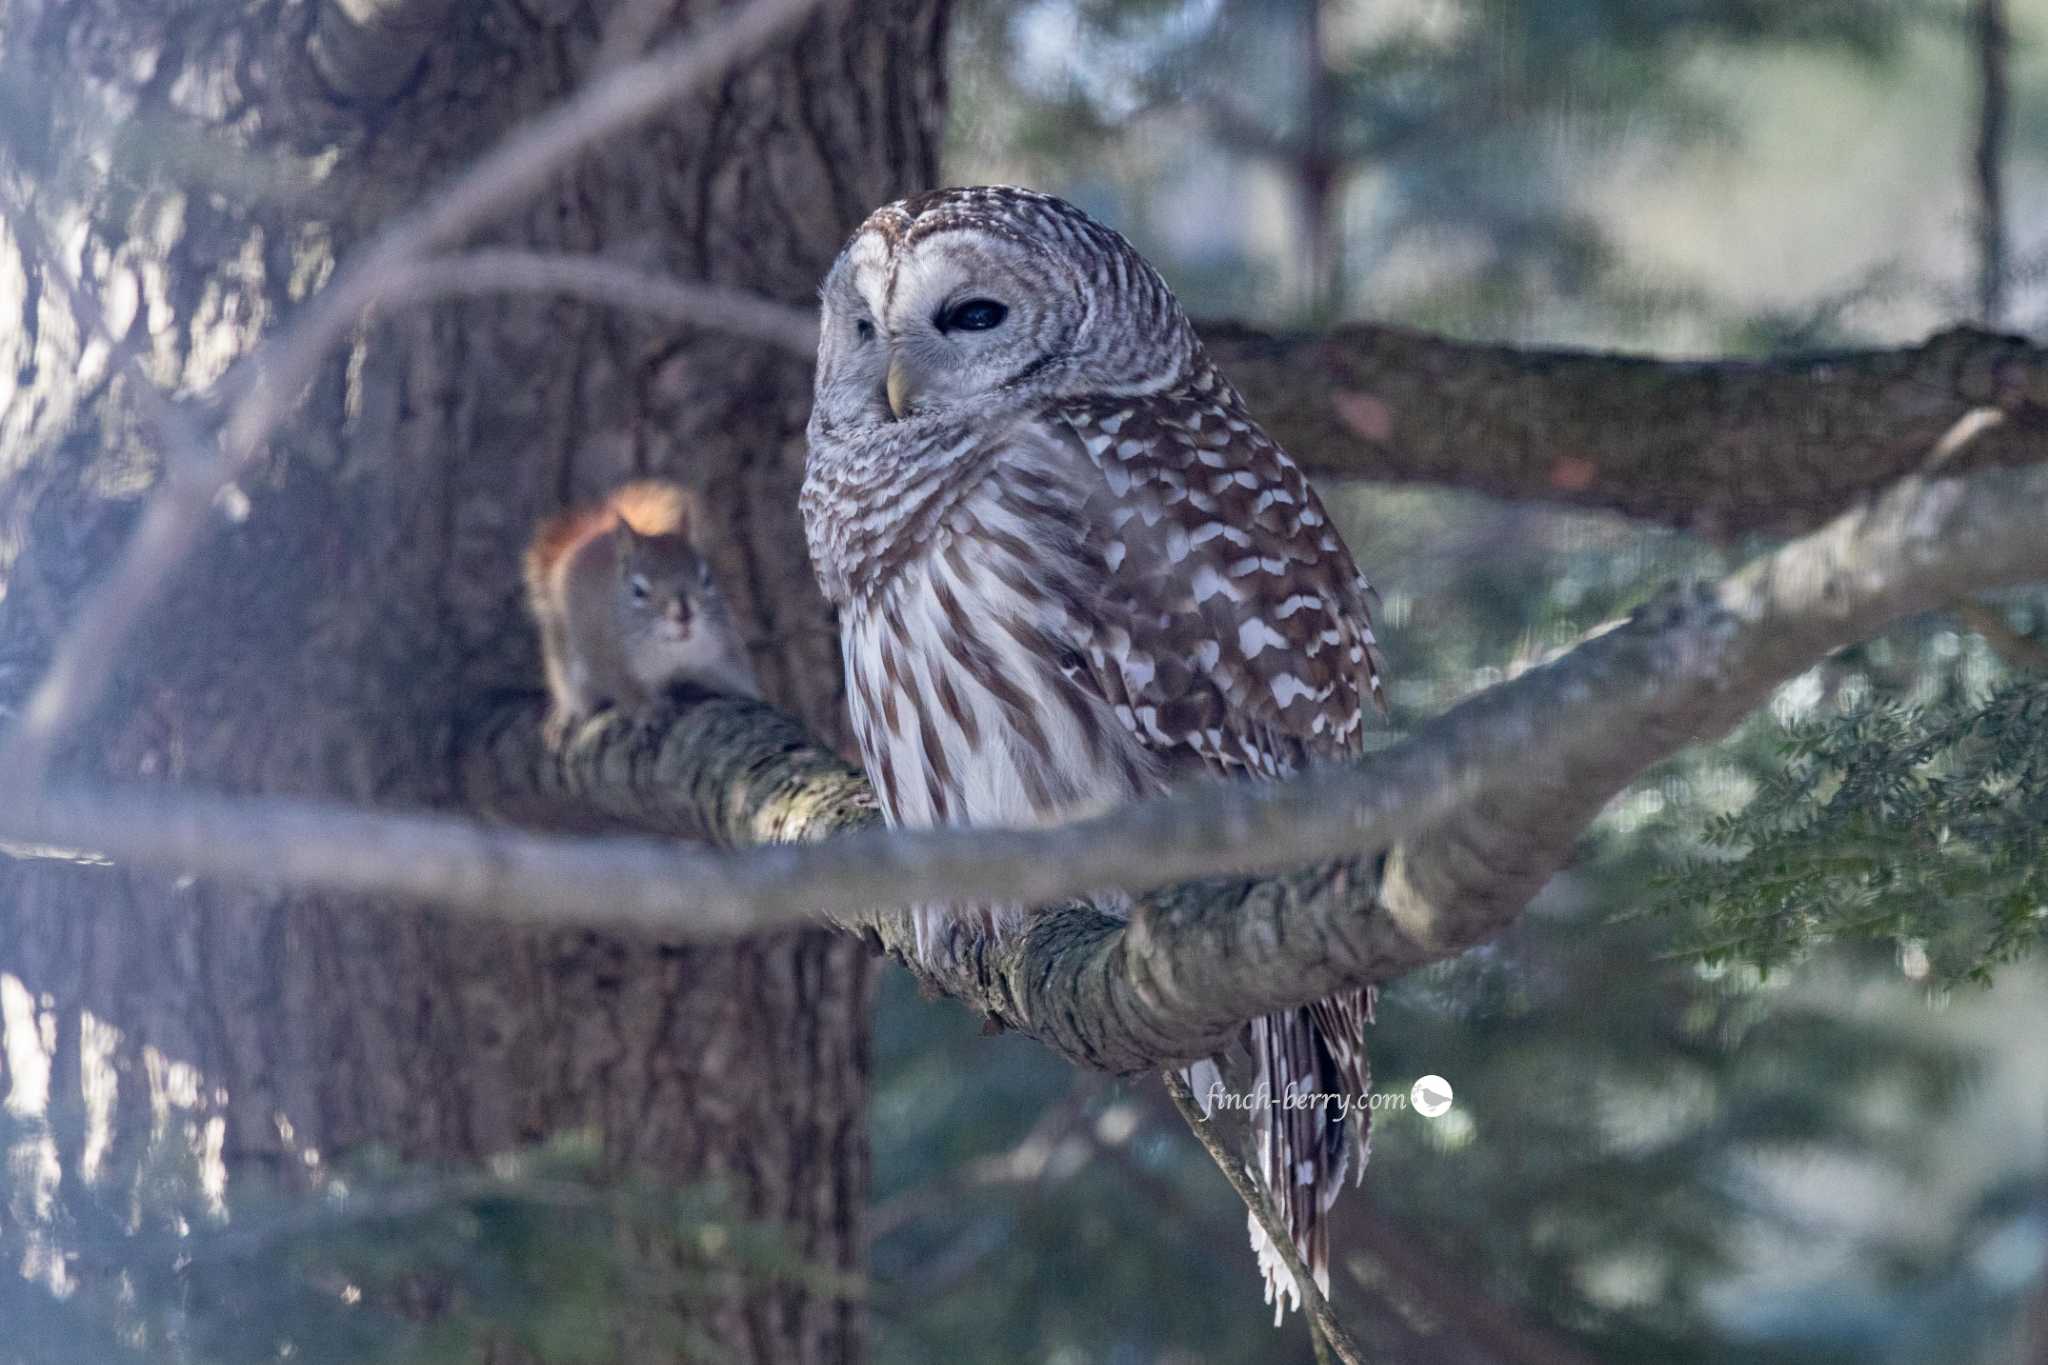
[(325, 643), (1720, 447)]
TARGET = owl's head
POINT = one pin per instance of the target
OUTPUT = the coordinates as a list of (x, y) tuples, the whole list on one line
[(961, 300)]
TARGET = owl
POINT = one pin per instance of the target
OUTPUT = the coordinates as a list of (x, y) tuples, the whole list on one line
[(1071, 571)]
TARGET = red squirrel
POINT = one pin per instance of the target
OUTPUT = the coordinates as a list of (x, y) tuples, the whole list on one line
[(627, 606)]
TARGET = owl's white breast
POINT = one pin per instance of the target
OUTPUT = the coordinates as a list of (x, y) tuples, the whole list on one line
[(985, 729)]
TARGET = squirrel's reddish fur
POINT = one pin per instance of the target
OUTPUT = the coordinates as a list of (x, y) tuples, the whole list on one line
[(650, 506), (625, 618)]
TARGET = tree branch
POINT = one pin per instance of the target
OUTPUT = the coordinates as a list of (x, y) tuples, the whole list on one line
[(1477, 807), (1572, 477), (487, 271), (1328, 1328), (1720, 447)]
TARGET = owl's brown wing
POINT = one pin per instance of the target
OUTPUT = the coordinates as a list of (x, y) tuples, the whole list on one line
[(1225, 619)]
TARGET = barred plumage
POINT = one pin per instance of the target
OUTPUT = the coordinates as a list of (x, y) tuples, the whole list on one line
[(1071, 570)]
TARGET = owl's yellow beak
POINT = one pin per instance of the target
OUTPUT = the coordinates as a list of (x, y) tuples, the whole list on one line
[(901, 390)]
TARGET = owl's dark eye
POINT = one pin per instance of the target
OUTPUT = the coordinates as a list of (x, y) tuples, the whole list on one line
[(864, 329), (975, 315), (640, 588)]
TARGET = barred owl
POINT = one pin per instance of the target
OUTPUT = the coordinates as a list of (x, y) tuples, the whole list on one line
[(1070, 571)]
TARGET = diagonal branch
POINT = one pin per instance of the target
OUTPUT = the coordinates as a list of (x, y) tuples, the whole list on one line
[(1476, 809), (1330, 1335)]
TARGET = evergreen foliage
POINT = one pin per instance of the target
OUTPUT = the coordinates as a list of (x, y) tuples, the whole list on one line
[(1925, 826)]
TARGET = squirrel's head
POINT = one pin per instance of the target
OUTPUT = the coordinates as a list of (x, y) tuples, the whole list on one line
[(663, 592)]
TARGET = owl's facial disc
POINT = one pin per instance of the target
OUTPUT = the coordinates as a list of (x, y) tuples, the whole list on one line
[(940, 319), (967, 313)]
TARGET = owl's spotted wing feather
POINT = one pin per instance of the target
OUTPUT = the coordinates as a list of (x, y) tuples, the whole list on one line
[(1230, 629), (1231, 623)]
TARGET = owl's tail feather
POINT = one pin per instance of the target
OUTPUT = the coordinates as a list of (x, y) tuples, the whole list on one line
[(1316, 1123)]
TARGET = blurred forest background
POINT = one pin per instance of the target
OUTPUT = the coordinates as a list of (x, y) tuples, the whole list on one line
[(1693, 1121)]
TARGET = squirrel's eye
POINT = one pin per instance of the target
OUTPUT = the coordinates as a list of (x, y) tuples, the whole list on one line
[(975, 315), (640, 588), (864, 329)]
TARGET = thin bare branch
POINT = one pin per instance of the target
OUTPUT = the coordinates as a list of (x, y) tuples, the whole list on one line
[(485, 271), (1960, 436), (677, 892), (278, 372), (1328, 1328), (639, 885), (519, 166)]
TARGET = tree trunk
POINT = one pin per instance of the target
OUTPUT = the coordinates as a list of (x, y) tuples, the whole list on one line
[(1993, 38), (328, 641), (1319, 176)]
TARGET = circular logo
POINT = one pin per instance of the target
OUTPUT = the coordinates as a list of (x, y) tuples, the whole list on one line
[(1431, 1096)]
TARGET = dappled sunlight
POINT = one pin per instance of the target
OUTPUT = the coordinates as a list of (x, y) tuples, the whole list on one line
[(99, 1088), (30, 1037), (177, 1162)]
